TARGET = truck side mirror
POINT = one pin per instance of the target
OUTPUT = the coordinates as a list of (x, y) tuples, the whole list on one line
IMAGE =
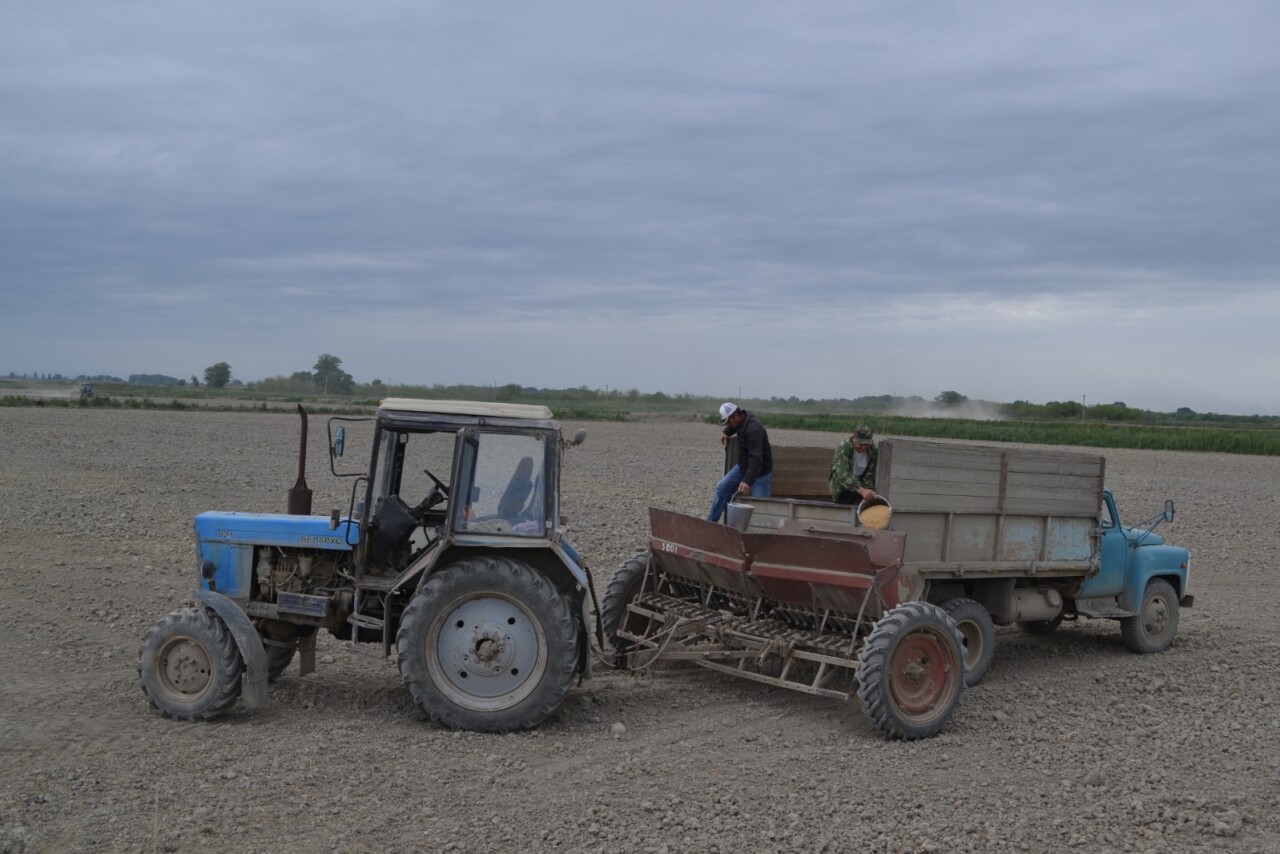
[(339, 441)]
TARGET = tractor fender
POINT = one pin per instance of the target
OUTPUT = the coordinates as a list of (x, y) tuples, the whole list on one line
[(420, 570), (249, 642)]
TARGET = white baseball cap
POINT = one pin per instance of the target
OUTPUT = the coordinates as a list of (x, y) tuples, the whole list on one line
[(727, 409)]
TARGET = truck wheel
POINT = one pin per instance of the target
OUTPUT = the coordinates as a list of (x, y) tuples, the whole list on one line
[(1153, 627), (911, 671), (1041, 627), (979, 633), (190, 666), (623, 587), (488, 644)]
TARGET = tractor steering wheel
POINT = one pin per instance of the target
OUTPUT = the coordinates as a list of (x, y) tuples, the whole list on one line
[(444, 490)]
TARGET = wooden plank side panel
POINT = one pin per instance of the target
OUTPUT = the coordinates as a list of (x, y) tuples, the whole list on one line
[(1071, 539), (973, 536), (935, 455), (1051, 462), (1051, 507), (1066, 502), (800, 472), (1021, 539), (944, 504), (1052, 481), (939, 475), (903, 490), (935, 477)]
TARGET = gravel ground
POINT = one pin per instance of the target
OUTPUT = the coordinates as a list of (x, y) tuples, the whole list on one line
[(1070, 742)]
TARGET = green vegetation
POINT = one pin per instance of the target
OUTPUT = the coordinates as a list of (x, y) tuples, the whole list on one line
[(1112, 425), (217, 375), (1262, 442)]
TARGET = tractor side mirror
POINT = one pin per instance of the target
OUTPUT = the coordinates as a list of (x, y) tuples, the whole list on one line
[(580, 436), (1168, 510), (339, 441)]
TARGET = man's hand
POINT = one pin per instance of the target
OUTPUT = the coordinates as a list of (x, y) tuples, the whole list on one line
[(866, 493), (724, 440), (744, 489)]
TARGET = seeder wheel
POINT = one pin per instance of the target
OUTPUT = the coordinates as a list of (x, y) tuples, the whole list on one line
[(911, 671)]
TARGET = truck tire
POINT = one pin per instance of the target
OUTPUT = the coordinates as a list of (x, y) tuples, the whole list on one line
[(623, 587), (911, 671), (190, 666), (1152, 629), (979, 633), (488, 644)]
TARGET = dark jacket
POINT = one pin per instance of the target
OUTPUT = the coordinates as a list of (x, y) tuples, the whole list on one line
[(755, 457)]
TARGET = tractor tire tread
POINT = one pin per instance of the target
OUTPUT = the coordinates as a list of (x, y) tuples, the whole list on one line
[(228, 665), (562, 658)]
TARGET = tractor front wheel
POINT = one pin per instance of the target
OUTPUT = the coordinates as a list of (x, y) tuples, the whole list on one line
[(190, 666), (911, 671), (488, 644)]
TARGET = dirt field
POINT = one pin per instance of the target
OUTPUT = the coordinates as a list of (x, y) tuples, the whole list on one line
[(1071, 742)]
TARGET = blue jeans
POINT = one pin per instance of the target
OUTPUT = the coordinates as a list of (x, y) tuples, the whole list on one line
[(728, 485)]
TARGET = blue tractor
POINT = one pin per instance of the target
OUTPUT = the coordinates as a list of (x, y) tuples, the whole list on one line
[(451, 555)]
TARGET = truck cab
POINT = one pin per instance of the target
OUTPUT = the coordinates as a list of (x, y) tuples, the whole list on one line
[(1129, 559)]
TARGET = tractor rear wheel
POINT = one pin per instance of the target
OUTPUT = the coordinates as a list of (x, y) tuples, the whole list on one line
[(488, 644), (911, 671), (190, 666), (625, 586), (979, 633), (1153, 627)]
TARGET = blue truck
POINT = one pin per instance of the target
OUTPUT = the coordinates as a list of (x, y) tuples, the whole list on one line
[(807, 595), (451, 556)]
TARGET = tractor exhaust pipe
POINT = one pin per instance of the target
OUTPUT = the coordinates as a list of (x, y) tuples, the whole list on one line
[(300, 495)]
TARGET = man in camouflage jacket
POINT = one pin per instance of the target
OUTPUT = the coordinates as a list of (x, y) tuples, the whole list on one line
[(855, 454)]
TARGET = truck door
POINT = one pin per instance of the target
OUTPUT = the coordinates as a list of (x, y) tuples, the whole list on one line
[(1113, 554)]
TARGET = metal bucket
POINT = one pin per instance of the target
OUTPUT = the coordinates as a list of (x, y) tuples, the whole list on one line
[(881, 518), (738, 515)]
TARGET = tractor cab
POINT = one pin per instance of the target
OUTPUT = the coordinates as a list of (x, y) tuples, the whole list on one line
[(460, 473)]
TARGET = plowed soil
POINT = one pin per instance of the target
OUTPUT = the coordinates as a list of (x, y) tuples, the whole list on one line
[(1071, 741)]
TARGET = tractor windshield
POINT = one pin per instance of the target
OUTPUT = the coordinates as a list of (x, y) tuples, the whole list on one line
[(502, 477)]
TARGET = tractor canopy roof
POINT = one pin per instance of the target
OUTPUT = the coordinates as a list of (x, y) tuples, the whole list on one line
[(404, 409)]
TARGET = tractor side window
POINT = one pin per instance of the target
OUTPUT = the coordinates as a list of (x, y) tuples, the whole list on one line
[(426, 452), (403, 462), (507, 488)]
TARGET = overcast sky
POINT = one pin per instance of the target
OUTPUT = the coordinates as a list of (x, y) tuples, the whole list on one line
[(1013, 200)]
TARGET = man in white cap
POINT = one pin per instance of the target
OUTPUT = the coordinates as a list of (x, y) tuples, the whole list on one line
[(753, 472)]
